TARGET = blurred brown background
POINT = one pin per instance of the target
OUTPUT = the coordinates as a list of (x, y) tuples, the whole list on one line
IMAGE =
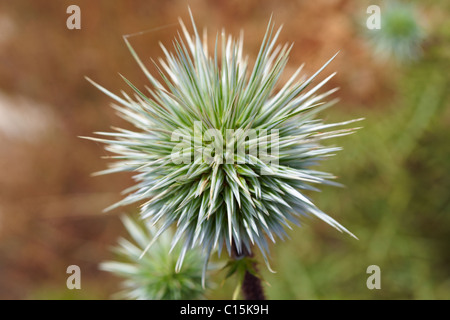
[(50, 207)]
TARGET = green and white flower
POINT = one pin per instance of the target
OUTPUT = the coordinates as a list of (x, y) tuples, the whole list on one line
[(153, 276), (216, 204), (400, 35)]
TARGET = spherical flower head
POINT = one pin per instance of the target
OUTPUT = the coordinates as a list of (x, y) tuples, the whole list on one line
[(153, 276), (223, 152), (400, 35)]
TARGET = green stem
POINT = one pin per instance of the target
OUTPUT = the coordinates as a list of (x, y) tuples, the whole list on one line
[(252, 288)]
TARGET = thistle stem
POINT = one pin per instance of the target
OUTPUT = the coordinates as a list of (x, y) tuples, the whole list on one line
[(251, 286)]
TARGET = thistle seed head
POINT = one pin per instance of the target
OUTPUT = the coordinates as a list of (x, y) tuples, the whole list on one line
[(153, 276), (223, 152), (400, 35)]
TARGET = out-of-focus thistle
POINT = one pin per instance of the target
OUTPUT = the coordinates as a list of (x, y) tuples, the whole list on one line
[(187, 154), (153, 276), (400, 36)]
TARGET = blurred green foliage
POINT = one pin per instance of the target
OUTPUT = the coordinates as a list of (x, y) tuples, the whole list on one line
[(397, 173)]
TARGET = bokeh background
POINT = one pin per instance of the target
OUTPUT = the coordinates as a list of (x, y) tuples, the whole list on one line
[(396, 169)]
